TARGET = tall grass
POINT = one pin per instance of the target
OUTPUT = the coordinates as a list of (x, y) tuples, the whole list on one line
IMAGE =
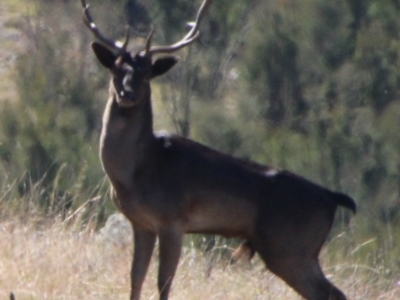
[(55, 256)]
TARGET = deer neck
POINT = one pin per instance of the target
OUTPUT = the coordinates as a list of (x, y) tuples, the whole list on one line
[(126, 140)]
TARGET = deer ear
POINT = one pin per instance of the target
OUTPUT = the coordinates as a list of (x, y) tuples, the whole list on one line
[(162, 65), (105, 56)]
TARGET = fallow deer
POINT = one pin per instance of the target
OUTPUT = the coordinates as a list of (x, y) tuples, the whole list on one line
[(167, 185)]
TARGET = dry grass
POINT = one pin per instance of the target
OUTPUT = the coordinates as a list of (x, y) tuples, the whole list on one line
[(55, 261)]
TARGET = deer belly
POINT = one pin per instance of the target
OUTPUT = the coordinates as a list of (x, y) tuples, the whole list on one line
[(231, 219)]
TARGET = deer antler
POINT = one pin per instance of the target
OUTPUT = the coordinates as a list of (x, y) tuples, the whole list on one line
[(200, 14), (113, 45), (188, 39), (121, 47)]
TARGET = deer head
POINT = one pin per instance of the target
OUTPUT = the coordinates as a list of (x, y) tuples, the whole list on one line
[(131, 73)]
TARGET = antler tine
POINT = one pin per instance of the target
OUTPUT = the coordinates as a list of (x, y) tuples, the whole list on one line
[(189, 38), (113, 45), (148, 41), (127, 35), (200, 14)]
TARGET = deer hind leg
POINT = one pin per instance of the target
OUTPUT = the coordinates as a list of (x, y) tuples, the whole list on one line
[(143, 250), (305, 276), (170, 240)]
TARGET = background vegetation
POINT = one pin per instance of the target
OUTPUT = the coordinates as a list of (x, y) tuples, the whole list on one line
[(310, 86)]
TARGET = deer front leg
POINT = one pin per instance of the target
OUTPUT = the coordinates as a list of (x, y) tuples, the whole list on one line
[(143, 248), (170, 240)]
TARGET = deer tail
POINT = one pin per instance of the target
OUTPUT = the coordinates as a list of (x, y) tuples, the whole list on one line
[(345, 201)]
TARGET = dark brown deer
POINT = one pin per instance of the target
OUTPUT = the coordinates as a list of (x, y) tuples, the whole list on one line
[(167, 185)]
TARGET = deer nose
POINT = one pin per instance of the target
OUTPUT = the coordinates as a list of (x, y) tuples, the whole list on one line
[(126, 98)]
